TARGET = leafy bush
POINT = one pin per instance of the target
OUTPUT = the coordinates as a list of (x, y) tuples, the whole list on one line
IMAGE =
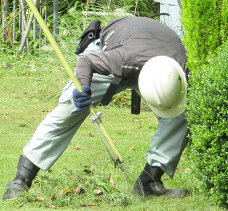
[(207, 116), (206, 27)]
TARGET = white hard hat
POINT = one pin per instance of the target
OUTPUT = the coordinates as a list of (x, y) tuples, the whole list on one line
[(163, 85)]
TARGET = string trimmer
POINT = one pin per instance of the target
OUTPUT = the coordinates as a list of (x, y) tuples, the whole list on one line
[(95, 117)]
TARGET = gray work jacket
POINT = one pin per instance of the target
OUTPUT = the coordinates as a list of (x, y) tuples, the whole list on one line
[(127, 43)]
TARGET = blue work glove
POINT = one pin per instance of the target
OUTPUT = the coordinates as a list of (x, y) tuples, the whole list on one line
[(82, 100)]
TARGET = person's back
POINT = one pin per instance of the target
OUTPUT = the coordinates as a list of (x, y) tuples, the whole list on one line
[(142, 39)]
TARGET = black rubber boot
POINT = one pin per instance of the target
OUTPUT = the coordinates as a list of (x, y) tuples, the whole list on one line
[(149, 183), (26, 172)]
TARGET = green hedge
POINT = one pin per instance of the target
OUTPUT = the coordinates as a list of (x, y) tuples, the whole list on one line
[(205, 24), (207, 114)]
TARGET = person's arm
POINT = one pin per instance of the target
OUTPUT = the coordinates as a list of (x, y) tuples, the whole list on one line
[(105, 63)]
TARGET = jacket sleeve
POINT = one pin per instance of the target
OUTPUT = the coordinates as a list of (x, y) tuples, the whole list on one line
[(104, 63)]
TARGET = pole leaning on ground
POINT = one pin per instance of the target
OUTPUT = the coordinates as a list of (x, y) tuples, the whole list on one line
[(119, 158)]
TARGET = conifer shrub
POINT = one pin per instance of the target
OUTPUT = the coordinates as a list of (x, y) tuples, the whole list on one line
[(205, 25)]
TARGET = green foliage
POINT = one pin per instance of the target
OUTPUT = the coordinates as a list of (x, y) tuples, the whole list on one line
[(74, 22), (207, 116), (206, 27), (136, 7)]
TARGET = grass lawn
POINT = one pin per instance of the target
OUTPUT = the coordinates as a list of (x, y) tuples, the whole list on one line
[(83, 177)]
